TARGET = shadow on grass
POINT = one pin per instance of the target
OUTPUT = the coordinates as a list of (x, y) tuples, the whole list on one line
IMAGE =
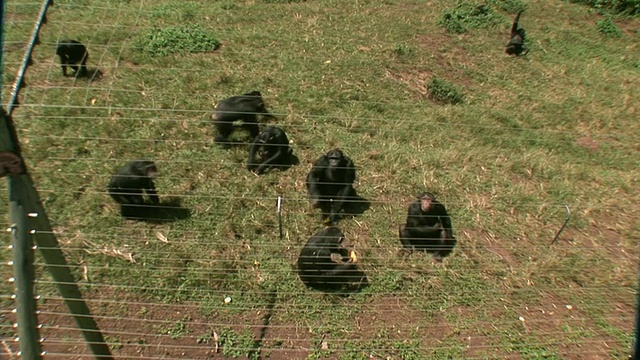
[(292, 160), (355, 205), (167, 211), (91, 75), (94, 74), (266, 319), (354, 283)]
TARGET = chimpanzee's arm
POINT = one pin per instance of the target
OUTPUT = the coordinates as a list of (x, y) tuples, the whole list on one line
[(345, 191), (150, 189), (279, 154), (315, 176), (277, 147), (445, 220), (255, 145), (344, 269)]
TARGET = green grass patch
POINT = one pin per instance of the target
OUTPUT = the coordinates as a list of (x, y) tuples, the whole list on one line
[(525, 136), (444, 91), (630, 7), (466, 16), (510, 6), (191, 38), (608, 28)]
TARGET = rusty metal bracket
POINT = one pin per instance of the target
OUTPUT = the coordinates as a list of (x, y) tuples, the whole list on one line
[(11, 164)]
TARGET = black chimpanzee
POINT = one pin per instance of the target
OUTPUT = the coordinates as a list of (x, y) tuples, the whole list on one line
[(428, 227), (129, 184), (330, 184), (272, 150), (244, 107), (72, 53), (317, 267), (516, 45)]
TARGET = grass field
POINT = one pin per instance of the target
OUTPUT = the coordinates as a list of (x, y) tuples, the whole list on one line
[(558, 126)]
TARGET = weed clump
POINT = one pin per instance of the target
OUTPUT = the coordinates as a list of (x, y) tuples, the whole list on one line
[(445, 92), (466, 16), (629, 7), (178, 39), (608, 28), (402, 49)]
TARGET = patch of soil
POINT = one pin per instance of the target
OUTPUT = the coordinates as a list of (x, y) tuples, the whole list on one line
[(443, 53), (492, 245), (588, 143), (564, 326), (477, 336), (140, 328), (448, 60)]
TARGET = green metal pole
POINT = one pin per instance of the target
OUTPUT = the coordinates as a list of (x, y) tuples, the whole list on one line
[(31, 223), (26, 60), (23, 273), (56, 264), (24, 276)]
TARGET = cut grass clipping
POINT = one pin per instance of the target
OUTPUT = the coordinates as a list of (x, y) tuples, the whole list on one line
[(466, 16), (178, 39), (444, 92)]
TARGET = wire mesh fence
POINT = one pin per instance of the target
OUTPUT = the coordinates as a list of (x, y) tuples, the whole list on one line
[(213, 271)]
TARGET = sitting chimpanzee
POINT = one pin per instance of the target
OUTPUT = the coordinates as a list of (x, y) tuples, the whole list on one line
[(428, 227), (317, 267), (330, 184), (244, 107), (129, 184), (272, 150), (72, 53), (516, 45)]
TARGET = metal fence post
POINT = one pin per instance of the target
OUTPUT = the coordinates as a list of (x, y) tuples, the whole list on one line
[(24, 277)]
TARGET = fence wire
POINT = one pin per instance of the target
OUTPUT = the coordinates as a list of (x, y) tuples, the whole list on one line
[(218, 281)]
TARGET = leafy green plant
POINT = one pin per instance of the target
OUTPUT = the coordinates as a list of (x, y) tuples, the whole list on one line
[(629, 7), (444, 91), (178, 39), (178, 329), (228, 340), (234, 345), (403, 49), (466, 16), (608, 28)]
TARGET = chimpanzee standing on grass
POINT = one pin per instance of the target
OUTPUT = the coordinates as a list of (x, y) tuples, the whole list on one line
[(129, 184), (330, 184), (72, 53), (317, 268), (269, 149), (244, 107), (428, 227), (516, 45)]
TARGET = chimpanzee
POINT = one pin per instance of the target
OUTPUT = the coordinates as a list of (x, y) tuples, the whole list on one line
[(72, 53), (330, 184), (317, 268), (428, 227), (272, 149), (516, 44), (244, 107), (129, 184)]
